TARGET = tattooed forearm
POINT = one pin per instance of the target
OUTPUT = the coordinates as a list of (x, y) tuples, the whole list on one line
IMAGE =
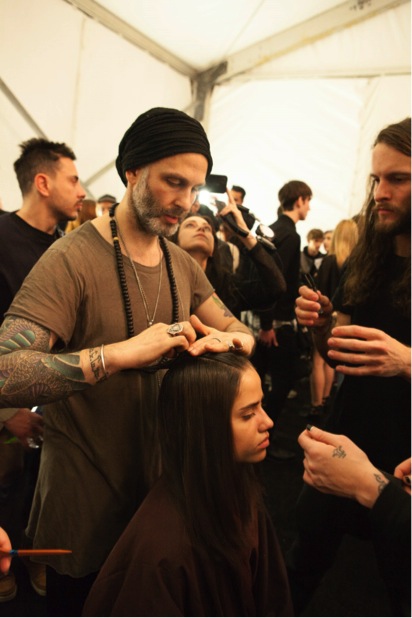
[(96, 364), (382, 482), (29, 374), (29, 377), (19, 334), (338, 452), (67, 365)]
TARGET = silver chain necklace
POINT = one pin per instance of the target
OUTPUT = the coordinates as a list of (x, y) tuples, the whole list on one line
[(149, 319)]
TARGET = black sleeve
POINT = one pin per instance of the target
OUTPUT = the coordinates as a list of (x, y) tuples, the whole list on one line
[(258, 281), (391, 536), (288, 253)]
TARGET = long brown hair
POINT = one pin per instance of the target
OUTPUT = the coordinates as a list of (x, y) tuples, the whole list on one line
[(371, 254), (216, 495)]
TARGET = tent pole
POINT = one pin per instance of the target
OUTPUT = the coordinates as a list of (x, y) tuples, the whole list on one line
[(202, 87)]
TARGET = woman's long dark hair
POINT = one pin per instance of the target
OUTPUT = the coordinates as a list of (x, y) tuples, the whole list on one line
[(369, 259), (216, 495)]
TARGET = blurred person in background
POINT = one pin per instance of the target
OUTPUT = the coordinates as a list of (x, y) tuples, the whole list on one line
[(311, 256), (51, 192), (344, 241), (327, 239), (87, 213), (104, 204)]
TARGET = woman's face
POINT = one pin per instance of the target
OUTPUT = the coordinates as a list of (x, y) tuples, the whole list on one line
[(195, 234), (327, 240), (250, 423)]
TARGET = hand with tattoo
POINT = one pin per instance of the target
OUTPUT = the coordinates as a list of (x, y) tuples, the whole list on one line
[(335, 465)]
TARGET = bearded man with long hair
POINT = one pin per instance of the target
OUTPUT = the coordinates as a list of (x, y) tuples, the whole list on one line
[(365, 334)]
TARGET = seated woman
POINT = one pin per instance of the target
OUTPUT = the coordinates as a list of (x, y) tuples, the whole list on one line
[(201, 544), (256, 284)]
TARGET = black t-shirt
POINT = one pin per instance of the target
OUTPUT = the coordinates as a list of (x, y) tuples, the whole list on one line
[(375, 412), (287, 242), (21, 245)]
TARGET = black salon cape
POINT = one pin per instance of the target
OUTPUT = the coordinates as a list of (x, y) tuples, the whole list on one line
[(154, 571)]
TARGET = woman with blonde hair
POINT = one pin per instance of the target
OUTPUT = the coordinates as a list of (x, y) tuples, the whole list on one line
[(344, 239)]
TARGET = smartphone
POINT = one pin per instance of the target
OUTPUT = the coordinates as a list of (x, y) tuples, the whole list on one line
[(215, 183)]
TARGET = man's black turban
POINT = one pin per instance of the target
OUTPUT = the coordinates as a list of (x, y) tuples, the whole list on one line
[(158, 133)]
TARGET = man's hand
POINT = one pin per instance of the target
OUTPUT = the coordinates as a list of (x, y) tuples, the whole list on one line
[(335, 465), (25, 425), (403, 472), (268, 338), (372, 351), (231, 208), (214, 340), (312, 308), (148, 347)]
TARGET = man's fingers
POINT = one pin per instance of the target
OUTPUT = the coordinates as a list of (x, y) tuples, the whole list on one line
[(198, 325)]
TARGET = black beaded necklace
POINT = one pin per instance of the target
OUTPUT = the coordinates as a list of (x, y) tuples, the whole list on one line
[(122, 276)]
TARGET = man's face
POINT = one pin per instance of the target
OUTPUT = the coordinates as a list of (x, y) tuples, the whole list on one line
[(327, 241), (164, 191), (391, 172), (65, 191), (303, 207), (314, 245), (237, 196), (103, 207)]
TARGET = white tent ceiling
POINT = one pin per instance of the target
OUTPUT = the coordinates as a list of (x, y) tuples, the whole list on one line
[(285, 90)]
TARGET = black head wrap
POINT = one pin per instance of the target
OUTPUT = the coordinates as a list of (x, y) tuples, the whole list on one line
[(158, 133)]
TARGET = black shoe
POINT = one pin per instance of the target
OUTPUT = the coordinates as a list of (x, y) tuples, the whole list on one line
[(280, 454)]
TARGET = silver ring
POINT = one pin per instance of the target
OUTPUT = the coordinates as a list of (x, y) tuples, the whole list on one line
[(175, 329), (234, 348)]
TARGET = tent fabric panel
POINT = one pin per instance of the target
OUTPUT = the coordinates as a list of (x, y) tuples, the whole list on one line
[(81, 83), (380, 44), (266, 133)]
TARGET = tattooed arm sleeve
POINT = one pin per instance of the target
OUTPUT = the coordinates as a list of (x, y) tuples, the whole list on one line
[(30, 374)]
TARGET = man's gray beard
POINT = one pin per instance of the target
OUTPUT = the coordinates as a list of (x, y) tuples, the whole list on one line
[(146, 211)]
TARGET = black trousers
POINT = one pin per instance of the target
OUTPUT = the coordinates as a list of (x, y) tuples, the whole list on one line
[(66, 595), (280, 364), (322, 521)]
